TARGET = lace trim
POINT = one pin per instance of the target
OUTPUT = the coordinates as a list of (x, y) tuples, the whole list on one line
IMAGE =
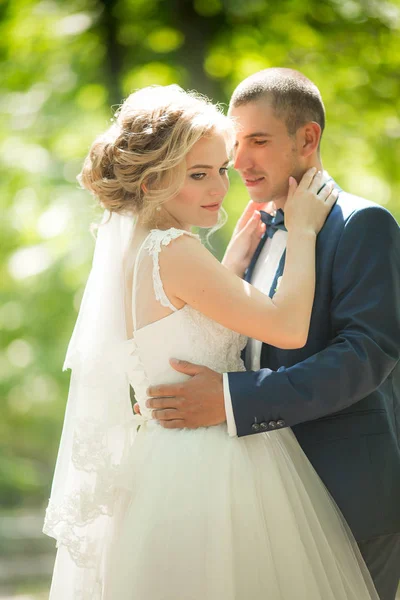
[(155, 241), (94, 498), (69, 521)]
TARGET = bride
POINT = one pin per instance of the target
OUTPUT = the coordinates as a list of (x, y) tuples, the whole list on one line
[(140, 512)]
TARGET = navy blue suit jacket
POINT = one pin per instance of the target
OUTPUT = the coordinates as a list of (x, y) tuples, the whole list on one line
[(341, 392)]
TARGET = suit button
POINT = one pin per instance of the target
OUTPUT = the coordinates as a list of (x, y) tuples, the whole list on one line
[(272, 424), (281, 423), (256, 427), (264, 426)]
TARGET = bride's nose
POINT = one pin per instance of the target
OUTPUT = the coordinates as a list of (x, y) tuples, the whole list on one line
[(219, 188)]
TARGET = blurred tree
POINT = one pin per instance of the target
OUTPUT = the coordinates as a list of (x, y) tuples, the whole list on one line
[(64, 64)]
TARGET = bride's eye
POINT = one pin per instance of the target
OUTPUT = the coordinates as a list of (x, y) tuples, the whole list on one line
[(198, 176), (223, 171)]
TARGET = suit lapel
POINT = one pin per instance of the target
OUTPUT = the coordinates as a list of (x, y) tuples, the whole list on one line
[(249, 271), (279, 273)]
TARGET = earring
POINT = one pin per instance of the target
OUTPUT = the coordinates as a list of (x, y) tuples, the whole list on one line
[(158, 209)]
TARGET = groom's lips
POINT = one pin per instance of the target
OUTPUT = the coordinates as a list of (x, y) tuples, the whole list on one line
[(252, 181)]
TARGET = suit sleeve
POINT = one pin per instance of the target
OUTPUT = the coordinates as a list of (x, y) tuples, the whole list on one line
[(365, 312)]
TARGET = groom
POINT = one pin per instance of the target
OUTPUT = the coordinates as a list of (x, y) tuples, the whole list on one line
[(341, 392)]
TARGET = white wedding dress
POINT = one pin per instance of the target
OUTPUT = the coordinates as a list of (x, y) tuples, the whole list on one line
[(204, 516)]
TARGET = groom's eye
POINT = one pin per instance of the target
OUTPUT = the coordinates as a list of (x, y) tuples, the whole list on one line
[(260, 142)]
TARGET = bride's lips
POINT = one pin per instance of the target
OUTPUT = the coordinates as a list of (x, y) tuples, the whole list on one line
[(252, 181), (213, 207)]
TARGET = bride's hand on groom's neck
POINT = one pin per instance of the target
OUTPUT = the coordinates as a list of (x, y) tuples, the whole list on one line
[(245, 238)]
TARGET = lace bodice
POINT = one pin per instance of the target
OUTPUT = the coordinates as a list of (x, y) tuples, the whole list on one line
[(185, 333)]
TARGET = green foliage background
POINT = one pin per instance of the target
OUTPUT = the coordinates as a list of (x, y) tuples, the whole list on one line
[(63, 65)]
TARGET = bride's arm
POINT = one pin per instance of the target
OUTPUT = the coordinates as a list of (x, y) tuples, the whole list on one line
[(193, 275)]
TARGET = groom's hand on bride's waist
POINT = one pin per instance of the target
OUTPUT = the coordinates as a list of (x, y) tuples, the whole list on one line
[(197, 402)]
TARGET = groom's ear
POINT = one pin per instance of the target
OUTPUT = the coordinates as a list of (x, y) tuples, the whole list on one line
[(308, 137)]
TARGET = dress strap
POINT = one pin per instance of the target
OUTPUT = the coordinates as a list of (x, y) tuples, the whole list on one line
[(153, 244)]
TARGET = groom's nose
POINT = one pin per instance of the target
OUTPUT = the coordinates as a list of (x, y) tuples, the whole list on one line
[(242, 160)]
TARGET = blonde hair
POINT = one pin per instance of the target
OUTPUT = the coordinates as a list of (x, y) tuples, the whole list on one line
[(138, 163)]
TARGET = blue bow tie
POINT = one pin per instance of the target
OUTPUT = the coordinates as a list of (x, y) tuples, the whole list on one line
[(273, 223)]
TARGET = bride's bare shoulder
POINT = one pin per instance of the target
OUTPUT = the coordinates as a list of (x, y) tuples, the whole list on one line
[(166, 236), (180, 248)]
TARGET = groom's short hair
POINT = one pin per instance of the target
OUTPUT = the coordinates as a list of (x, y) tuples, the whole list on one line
[(294, 98)]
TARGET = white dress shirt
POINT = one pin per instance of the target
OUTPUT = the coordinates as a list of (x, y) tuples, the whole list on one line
[(262, 278)]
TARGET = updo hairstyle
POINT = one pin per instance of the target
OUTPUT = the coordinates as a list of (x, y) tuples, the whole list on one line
[(138, 163)]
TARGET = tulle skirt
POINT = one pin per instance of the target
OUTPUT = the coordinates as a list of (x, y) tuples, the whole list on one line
[(202, 516)]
